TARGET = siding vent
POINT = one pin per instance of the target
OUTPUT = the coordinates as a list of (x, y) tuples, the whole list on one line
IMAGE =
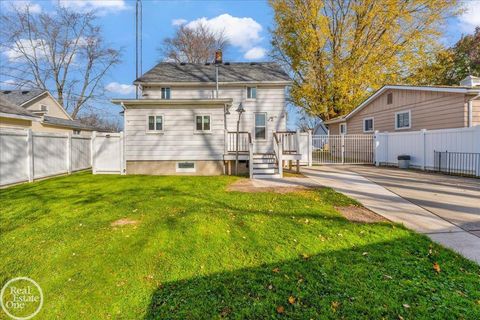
[(390, 98)]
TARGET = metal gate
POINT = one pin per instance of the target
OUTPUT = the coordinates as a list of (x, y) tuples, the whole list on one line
[(343, 149)]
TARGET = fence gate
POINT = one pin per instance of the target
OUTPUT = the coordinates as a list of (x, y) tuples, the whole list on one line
[(343, 149), (107, 153)]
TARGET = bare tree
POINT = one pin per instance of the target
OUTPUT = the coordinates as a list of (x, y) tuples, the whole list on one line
[(193, 44), (63, 51), (103, 123)]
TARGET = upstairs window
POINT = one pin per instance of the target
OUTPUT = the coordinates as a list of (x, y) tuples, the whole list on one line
[(403, 120), (202, 123), (343, 128), (368, 125), (390, 98), (155, 123), (166, 93), (251, 93)]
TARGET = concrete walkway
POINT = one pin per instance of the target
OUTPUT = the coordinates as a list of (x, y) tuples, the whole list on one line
[(397, 209)]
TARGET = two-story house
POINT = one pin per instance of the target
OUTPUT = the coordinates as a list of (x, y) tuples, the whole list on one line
[(182, 125)]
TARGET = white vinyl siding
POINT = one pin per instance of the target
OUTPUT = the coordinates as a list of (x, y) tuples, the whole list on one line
[(270, 99), (178, 141)]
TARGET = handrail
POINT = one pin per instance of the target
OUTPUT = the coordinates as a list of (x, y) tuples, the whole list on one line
[(244, 141)]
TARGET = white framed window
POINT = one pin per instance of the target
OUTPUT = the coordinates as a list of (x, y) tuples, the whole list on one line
[(166, 93), (185, 166), (260, 126), (403, 120), (44, 108), (251, 93), (368, 124), (203, 123), (155, 123), (343, 128)]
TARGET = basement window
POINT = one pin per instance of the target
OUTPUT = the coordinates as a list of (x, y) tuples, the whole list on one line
[(186, 166)]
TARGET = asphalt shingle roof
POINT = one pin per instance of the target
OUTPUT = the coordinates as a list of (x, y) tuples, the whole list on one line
[(74, 124), (228, 72), (10, 108), (19, 97)]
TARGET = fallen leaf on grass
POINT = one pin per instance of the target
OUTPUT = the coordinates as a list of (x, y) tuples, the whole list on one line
[(436, 267), (280, 309), (365, 254), (305, 256), (386, 276), (335, 305), (406, 306), (276, 270), (291, 299)]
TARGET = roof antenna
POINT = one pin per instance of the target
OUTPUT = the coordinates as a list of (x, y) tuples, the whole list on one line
[(138, 42)]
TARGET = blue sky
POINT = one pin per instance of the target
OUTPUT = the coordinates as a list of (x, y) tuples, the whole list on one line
[(246, 24)]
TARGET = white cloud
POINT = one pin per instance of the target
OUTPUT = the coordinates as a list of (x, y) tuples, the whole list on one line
[(22, 5), (255, 53), (120, 88), (8, 84), (471, 17), (36, 48), (243, 33), (178, 22), (99, 6)]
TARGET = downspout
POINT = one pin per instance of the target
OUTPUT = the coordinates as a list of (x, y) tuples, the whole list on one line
[(470, 110)]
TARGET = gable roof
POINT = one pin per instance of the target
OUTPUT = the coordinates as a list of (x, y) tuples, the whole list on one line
[(168, 72), (10, 110), (74, 124), (20, 97), (451, 89)]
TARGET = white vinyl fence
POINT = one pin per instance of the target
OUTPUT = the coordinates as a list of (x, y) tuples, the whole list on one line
[(422, 145), (27, 155), (108, 154)]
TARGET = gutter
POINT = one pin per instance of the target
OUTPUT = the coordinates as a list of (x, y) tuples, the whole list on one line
[(21, 117)]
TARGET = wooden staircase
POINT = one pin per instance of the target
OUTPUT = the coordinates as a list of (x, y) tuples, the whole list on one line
[(264, 166)]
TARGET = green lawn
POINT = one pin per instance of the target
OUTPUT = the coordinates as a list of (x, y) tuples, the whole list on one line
[(200, 252)]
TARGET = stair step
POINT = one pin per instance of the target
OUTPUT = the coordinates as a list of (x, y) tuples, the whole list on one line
[(266, 176), (264, 170), (264, 165), (263, 160)]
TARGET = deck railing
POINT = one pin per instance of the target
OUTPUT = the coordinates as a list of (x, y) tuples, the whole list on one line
[(244, 140), (288, 140)]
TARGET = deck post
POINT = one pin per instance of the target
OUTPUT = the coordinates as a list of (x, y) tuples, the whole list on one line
[(298, 166)]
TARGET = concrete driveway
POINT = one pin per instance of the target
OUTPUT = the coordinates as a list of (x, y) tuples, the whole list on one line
[(445, 208)]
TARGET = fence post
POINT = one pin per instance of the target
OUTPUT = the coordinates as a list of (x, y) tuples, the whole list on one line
[(423, 134), (30, 163), (92, 151), (122, 153), (376, 148), (476, 137), (343, 147), (310, 148), (69, 153)]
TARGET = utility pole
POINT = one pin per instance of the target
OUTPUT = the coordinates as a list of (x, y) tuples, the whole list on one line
[(138, 42)]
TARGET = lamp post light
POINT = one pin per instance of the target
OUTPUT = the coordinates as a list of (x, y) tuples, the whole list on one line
[(240, 110)]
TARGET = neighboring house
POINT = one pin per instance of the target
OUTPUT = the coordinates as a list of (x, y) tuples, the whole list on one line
[(320, 129), (12, 115), (398, 108), (52, 117), (180, 126)]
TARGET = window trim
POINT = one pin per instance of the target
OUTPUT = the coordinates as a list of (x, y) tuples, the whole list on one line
[(409, 120), (251, 99), (155, 131), (340, 128), (186, 170), (169, 93), (373, 124), (255, 126), (195, 130)]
